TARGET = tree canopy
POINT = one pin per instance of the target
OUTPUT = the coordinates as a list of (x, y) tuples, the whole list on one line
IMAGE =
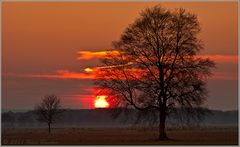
[(155, 64)]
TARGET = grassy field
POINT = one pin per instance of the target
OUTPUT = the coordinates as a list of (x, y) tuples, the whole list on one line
[(117, 136)]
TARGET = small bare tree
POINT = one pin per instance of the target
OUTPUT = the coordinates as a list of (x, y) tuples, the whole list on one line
[(49, 110)]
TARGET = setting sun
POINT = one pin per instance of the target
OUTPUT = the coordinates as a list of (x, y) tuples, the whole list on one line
[(100, 102)]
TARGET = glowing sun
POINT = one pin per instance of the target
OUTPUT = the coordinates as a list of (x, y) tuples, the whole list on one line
[(100, 102)]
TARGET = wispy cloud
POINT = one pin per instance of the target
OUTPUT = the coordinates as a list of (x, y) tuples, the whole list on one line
[(65, 74), (60, 74), (81, 76), (221, 58), (87, 55), (90, 73), (95, 69)]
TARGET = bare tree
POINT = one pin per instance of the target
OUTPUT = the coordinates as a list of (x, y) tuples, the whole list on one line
[(156, 67), (49, 110)]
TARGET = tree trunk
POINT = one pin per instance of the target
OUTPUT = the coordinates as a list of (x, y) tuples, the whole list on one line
[(162, 119), (49, 128)]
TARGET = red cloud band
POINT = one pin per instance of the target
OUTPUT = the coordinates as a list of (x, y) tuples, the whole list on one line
[(60, 74), (65, 74), (87, 55)]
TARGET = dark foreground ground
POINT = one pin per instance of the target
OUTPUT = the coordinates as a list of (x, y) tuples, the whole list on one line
[(117, 136)]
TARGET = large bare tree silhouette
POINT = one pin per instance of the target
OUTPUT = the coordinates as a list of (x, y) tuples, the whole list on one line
[(157, 67)]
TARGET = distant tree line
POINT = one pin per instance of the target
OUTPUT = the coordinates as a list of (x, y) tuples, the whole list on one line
[(102, 117)]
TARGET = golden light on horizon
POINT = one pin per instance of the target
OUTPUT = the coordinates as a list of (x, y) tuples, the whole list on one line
[(100, 102)]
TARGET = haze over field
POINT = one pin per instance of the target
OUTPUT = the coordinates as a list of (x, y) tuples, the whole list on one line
[(102, 118), (51, 48)]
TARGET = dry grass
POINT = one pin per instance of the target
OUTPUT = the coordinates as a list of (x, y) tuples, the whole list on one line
[(117, 136)]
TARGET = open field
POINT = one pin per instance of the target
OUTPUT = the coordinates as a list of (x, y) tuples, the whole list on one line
[(76, 136)]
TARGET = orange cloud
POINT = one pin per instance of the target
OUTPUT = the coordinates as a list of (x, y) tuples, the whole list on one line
[(86, 55)]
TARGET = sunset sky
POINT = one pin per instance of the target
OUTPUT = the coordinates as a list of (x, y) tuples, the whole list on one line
[(51, 48)]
